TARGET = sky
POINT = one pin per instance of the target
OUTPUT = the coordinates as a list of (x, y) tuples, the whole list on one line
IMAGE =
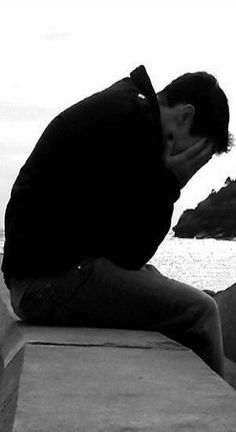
[(55, 53)]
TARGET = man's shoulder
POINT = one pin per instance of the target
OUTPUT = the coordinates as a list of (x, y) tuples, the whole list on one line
[(114, 100), (125, 114)]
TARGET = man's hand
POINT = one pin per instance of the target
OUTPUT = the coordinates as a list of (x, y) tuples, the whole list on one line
[(186, 163)]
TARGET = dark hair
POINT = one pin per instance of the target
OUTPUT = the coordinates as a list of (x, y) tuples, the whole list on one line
[(211, 117)]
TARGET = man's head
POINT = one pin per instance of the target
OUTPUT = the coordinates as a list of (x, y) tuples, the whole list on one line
[(194, 106)]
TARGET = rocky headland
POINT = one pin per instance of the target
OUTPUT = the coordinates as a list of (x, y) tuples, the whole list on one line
[(215, 217)]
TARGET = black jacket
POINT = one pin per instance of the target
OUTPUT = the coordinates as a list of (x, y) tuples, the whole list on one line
[(93, 185)]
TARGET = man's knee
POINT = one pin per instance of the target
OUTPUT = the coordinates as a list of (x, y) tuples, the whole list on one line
[(210, 308), (207, 317)]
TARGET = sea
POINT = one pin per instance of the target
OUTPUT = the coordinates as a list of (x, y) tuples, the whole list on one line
[(205, 264)]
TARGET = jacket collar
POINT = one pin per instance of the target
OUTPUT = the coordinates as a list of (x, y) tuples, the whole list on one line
[(143, 82)]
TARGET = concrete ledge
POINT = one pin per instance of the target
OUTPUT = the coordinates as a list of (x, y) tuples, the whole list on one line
[(85, 379), (98, 388)]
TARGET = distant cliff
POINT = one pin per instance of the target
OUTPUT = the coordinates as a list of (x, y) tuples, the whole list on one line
[(215, 217)]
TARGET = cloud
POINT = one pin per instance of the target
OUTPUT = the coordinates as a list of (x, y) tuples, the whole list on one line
[(54, 36)]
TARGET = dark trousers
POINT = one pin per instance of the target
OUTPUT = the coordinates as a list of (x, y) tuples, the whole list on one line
[(97, 293)]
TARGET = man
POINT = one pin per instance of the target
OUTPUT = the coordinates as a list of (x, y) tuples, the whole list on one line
[(94, 200)]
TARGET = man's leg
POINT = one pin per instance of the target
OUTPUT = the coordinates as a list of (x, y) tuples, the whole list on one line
[(97, 293), (208, 326), (145, 299)]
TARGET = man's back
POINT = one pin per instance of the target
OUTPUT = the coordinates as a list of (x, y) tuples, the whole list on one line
[(87, 187)]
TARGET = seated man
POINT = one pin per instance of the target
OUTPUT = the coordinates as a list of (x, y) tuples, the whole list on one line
[(94, 201)]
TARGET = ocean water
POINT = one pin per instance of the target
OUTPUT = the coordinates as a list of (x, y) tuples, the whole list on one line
[(205, 264)]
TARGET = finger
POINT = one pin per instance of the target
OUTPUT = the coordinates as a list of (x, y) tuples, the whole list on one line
[(202, 158), (187, 155), (205, 148), (196, 148)]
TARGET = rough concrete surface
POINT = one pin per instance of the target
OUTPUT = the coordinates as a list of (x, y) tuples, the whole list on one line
[(88, 389)]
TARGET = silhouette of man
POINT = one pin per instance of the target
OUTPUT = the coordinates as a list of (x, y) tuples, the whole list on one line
[(94, 201)]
